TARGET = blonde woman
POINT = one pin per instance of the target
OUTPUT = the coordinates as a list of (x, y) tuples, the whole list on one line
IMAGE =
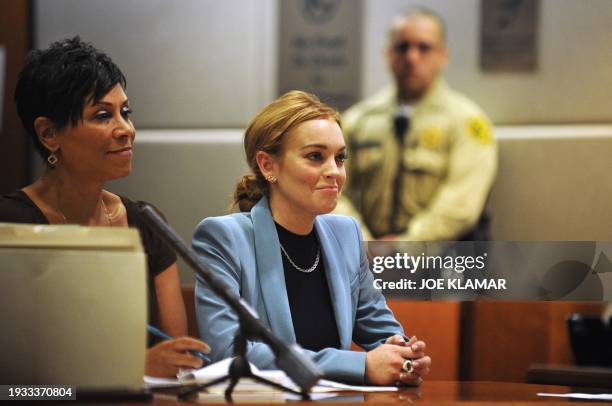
[(303, 271)]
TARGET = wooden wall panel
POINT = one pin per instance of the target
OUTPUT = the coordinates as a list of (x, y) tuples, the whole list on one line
[(438, 324), (14, 146), (500, 340)]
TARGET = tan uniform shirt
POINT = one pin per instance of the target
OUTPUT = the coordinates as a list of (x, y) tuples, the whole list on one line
[(449, 164)]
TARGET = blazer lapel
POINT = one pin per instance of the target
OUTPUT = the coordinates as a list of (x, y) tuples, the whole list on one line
[(270, 272), (337, 279)]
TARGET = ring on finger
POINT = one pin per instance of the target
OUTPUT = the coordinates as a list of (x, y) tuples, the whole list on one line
[(407, 366)]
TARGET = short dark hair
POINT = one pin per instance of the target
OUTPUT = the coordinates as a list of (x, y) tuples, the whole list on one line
[(421, 11), (58, 81)]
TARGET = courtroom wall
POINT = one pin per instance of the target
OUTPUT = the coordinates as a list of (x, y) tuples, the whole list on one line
[(212, 64)]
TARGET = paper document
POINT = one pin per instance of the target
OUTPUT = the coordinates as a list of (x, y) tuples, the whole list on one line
[(337, 386), (261, 397), (155, 382), (220, 369), (590, 396)]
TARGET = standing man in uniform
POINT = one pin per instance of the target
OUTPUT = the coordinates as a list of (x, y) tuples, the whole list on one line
[(422, 157)]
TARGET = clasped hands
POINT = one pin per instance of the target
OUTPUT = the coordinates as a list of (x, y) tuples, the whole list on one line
[(386, 365)]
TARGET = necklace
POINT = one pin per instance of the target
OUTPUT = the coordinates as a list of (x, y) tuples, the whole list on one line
[(108, 220), (309, 270)]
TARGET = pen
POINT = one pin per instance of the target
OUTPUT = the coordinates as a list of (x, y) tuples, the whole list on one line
[(160, 334)]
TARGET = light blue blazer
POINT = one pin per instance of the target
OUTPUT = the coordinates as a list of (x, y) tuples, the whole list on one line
[(243, 249)]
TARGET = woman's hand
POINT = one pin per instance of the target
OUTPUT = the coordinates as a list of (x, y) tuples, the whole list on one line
[(384, 364), (398, 339), (164, 359)]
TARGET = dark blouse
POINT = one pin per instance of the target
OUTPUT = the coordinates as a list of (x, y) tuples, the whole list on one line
[(312, 312), (17, 207)]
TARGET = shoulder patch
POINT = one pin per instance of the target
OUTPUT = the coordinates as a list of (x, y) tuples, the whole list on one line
[(478, 128)]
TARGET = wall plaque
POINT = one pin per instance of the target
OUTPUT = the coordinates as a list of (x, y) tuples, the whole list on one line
[(508, 35), (320, 49)]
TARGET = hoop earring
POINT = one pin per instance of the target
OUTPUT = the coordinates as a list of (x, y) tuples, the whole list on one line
[(271, 179), (52, 159)]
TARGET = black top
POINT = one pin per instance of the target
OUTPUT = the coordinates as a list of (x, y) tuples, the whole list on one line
[(17, 207), (312, 313)]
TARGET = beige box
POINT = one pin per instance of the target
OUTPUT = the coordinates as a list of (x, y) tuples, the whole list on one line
[(73, 306)]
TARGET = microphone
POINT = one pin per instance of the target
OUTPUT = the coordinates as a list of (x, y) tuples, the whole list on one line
[(401, 122), (290, 358)]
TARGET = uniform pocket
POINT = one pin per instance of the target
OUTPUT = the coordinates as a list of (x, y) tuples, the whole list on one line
[(424, 161), (367, 156), (424, 171)]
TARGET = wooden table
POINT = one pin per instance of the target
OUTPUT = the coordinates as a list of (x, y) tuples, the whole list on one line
[(445, 393)]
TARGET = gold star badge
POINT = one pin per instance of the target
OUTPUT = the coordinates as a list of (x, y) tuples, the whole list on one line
[(431, 138)]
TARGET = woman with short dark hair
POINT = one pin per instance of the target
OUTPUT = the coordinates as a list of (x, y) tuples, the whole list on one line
[(71, 100)]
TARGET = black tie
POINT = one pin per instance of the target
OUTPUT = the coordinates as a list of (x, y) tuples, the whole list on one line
[(401, 125)]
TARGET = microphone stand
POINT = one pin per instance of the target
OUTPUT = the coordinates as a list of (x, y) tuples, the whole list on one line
[(299, 367), (239, 368)]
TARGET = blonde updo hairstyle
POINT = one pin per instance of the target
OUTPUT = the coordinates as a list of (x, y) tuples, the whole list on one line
[(268, 131)]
